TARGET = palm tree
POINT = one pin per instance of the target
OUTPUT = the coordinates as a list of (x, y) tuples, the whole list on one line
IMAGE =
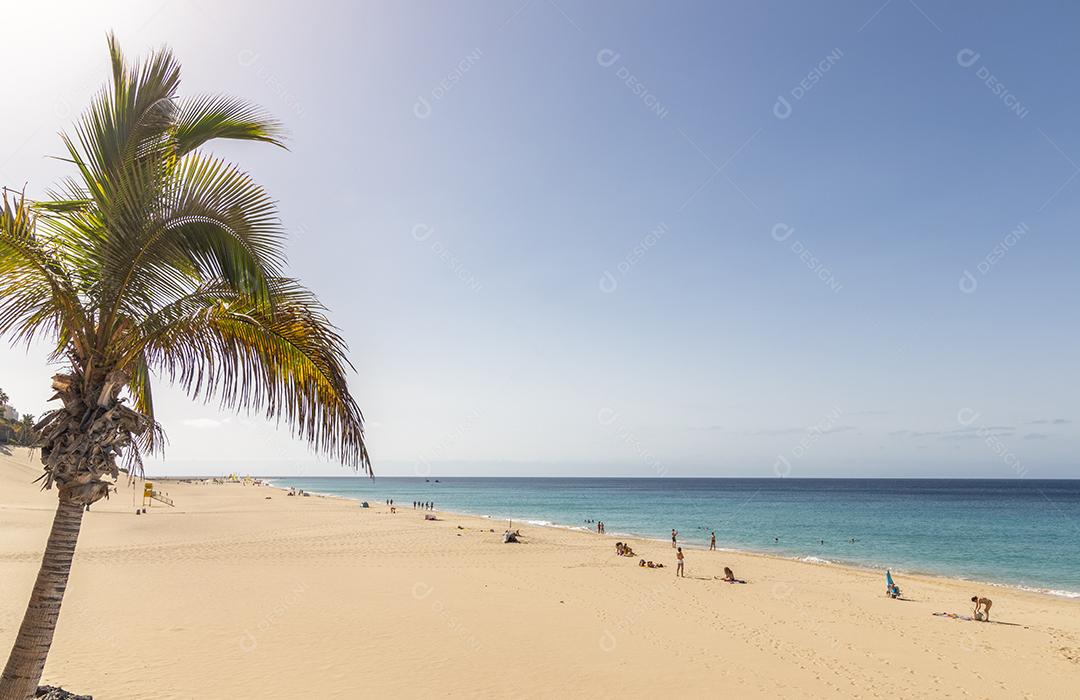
[(156, 258), (26, 429)]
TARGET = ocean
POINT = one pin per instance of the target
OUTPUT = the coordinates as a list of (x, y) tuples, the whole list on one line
[(1023, 533)]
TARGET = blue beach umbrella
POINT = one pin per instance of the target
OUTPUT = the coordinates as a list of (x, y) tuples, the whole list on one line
[(888, 578)]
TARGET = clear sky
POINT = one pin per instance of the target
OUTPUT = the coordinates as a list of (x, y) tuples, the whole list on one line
[(638, 239)]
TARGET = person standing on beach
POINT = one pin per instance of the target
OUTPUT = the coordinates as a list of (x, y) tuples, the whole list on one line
[(712, 541), (983, 603), (674, 536), (679, 563)]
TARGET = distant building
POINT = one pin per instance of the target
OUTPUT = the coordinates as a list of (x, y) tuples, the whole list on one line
[(8, 413)]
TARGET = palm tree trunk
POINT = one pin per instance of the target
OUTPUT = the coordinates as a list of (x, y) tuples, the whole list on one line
[(27, 660)]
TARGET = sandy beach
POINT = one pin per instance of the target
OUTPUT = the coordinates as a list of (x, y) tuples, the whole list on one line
[(242, 591)]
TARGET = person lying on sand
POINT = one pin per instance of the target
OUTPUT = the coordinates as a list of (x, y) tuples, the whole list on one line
[(983, 603)]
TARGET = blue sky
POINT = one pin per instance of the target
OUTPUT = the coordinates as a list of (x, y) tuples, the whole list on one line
[(641, 239)]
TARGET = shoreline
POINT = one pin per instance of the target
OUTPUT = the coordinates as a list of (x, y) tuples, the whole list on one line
[(854, 566)]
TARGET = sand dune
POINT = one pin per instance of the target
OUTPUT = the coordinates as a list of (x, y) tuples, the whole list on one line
[(232, 594)]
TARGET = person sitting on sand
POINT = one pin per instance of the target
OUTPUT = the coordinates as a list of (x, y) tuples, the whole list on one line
[(891, 589), (641, 563), (983, 603), (619, 548), (729, 575), (627, 551)]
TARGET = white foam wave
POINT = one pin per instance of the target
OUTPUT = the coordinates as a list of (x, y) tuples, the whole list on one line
[(815, 560)]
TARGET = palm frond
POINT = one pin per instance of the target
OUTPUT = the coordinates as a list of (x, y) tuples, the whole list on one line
[(210, 222), (284, 357), (152, 439), (36, 292), (221, 117)]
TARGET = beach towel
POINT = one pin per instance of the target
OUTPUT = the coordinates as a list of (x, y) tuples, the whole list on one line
[(955, 616)]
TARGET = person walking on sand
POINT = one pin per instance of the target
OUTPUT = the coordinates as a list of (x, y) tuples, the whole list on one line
[(674, 536), (679, 564), (983, 603), (712, 541)]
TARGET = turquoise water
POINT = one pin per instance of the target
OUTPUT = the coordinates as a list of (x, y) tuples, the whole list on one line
[(1021, 532)]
